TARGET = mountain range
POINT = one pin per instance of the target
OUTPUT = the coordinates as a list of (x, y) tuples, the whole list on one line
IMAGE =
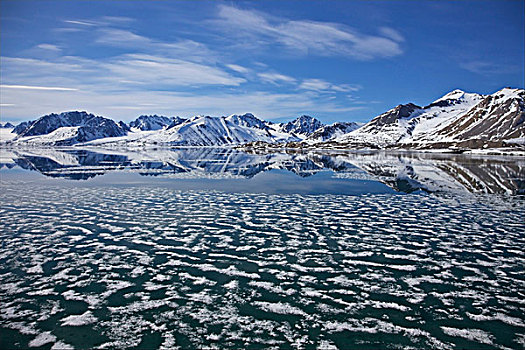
[(458, 119)]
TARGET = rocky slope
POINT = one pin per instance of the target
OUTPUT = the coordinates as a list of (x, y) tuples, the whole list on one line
[(458, 119), (66, 128)]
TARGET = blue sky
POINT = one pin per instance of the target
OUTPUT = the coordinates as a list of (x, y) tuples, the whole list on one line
[(336, 60)]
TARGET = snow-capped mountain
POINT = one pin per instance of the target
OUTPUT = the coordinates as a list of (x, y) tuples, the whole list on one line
[(67, 128), (302, 126), (247, 120), (329, 132), (217, 131), (409, 122), (6, 126), (457, 119), (500, 116), (154, 122), (21, 127)]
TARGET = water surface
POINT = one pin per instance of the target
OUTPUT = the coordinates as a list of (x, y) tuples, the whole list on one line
[(198, 248)]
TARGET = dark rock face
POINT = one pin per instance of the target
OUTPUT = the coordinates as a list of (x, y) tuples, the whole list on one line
[(151, 122), (176, 121), (247, 120), (304, 125), (22, 127), (7, 126), (90, 126), (401, 111), (124, 126), (329, 131)]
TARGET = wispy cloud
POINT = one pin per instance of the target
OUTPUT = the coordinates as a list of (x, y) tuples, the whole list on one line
[(101, 21), (308, 37), (237, 68), (29, 87), (123, 72), (151, 75), (49, 47), (275, 78), (323, 85), (489, 68), (161, 71), (82, 23), (127, 105)]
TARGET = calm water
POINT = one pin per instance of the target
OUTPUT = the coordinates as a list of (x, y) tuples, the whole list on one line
[(218, 248)]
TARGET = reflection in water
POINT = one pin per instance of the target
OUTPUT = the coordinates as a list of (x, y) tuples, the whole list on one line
[(404, 172), (141, 264)]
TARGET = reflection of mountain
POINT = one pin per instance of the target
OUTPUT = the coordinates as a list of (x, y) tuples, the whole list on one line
[(404, 172)]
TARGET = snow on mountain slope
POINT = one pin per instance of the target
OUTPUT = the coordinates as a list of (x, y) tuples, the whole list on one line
[(302, 126), (329, 132), (247, 120), (211, 131), (60, 136), (500, 116), (154, 122), (67, 128), (410, 123)]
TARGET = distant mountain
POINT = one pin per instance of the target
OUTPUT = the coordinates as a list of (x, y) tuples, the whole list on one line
[(6, 126), (67, 128), (302, 126), (153, 122), (458, 120), (216, 131), (329, 132), (21, 127), (247, 120)]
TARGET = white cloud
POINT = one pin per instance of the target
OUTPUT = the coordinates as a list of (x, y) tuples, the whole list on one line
[(128, 105), (161, 71), (392, 34), (129, 71), (275, 78), (49, 47), (237, 68), (307, 37), (82, 23), (489, 68), (28, 87), (322, 85)]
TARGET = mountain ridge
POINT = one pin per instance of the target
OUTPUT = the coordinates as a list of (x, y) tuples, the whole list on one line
[(457, 119)]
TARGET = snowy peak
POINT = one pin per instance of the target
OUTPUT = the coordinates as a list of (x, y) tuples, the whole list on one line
[(500, 116), (151, 122), (176, 121), (247, 120), (67, 128), (213, 131), (393, 115), (335, 130), (456, 97), (304, 125), (457, 119), (51, 122), (6, 126)]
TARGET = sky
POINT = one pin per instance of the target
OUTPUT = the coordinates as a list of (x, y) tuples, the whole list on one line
[(335, 60)]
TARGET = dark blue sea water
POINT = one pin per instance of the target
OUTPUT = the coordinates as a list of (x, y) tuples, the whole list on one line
[(204, 248)]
